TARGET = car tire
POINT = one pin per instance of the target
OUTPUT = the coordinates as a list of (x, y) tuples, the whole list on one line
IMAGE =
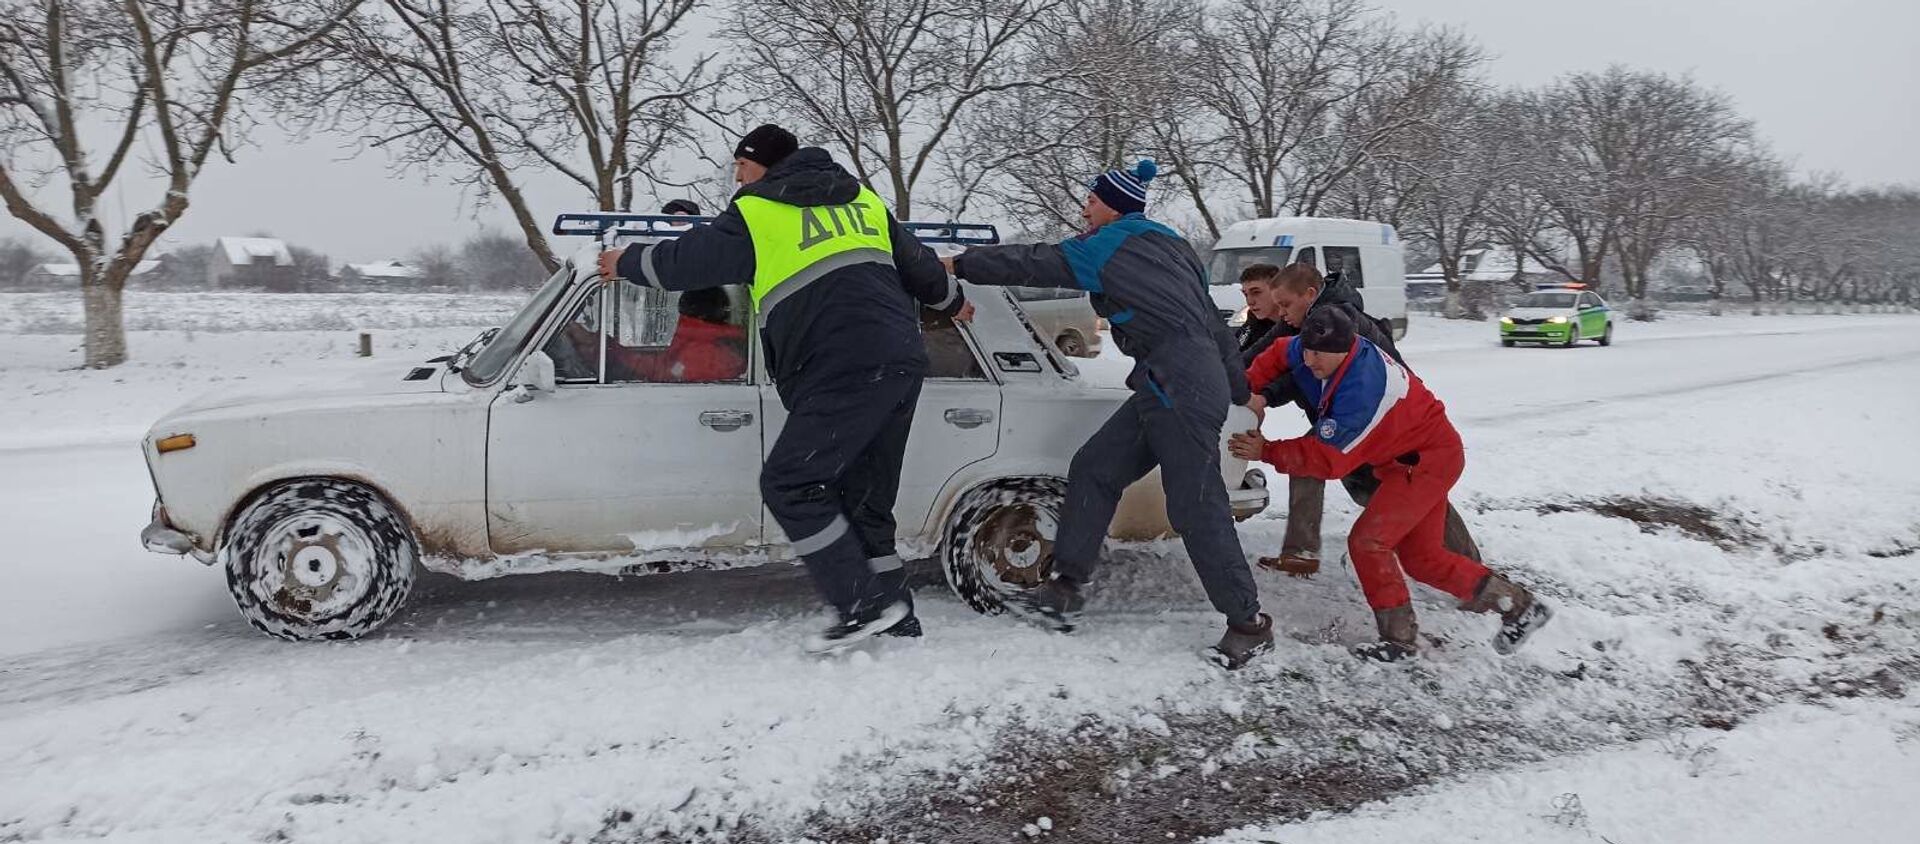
[(1606, 338), (1507, 343), (999, 540), (1071, 344), (319, 558), (1573, 337)]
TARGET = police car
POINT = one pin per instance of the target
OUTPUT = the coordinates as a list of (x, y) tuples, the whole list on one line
[(564, 440), (1560, 314)]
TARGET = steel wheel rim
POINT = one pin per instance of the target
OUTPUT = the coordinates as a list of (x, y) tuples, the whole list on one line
[(314, 566), (1014, 548)]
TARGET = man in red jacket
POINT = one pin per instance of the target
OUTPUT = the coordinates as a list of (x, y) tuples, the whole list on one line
[(1373, 412)]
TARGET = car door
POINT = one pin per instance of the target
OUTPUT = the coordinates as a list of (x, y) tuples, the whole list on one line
[(643, 444), (956, 423), (1593, 315)]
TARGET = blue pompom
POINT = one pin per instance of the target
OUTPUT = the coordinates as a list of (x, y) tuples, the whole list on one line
[(1146, 170)]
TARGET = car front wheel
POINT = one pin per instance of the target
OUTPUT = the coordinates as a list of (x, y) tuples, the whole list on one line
[(319, 558), (999, 540), (1573, 337)]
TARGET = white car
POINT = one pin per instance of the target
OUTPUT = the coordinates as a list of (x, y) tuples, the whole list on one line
[(570, 438)]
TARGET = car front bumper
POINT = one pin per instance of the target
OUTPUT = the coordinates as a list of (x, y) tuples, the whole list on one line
[(1251, 498), (1556, 332), (161, 537)]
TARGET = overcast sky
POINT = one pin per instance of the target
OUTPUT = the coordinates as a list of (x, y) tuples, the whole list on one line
[(1832, 84)]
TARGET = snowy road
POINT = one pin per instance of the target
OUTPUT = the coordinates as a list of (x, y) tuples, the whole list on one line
[(135, 705)]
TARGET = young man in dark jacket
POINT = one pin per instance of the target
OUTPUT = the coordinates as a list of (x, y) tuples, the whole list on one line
[(834, 279), (1259, 331), (1151, 286), (1299, 291)]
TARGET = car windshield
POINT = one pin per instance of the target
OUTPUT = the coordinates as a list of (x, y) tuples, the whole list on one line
[(1227, 263), (488, 364), (1548, 300)]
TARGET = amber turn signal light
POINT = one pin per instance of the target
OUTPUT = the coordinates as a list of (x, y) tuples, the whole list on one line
[(177, 442)]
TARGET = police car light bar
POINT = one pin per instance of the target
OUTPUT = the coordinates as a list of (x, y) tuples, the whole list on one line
[(964, 234), (600, 223), (597, 223)]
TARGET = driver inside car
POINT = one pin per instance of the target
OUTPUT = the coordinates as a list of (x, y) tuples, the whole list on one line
[(706, 345)]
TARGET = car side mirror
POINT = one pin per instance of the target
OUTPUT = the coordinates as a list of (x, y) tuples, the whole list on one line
[(535, 376)]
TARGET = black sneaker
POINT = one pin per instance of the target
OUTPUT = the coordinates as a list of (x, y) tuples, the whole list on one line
[(1054, 605), (856, 627), (1243, 642), (1517, 628), (908, 628), (1384, 651)]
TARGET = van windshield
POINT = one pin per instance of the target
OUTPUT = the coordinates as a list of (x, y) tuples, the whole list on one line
[(491, 360), (1226, 265)]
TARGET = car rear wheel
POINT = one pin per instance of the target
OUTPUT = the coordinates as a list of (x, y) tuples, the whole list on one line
[(999, 540), (1071, 344), (319, 558), (1606, 338)]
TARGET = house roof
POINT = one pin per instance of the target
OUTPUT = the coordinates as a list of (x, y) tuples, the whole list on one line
[(242, 251), (73, 270), (1488, 264), (389, 268)]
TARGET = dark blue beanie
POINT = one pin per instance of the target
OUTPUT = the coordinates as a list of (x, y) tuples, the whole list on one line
[(1124, 191)]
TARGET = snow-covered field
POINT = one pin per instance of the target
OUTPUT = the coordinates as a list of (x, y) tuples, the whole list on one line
[(1724, 509)]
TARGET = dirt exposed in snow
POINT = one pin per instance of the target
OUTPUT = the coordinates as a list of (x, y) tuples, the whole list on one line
[(1729, 531)]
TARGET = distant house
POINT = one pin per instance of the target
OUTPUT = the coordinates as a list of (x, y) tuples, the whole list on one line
[(251, 262), (57, 275), (390, 272), (1488, 264)]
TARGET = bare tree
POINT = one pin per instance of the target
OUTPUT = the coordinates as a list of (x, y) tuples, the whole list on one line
[(887, 82), (1031, 152), (1445, 180), (161, 76), (1291, 97), (485, 88), (18, 259)]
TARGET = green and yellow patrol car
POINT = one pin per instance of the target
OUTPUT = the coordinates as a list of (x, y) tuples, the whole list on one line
[(1562, 314)]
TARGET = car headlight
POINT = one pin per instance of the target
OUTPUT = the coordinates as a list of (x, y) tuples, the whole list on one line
[(1557, 320), (1506, 320)]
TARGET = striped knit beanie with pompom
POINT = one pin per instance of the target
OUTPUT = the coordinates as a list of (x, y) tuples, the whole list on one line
[(1123, 190)]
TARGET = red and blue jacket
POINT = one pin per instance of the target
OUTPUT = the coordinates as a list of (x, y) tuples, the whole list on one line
[(1371, 412)]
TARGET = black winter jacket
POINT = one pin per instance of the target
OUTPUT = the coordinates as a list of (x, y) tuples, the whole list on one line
[(853, 321)]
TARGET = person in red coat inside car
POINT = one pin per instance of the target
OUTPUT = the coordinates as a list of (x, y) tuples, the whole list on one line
[(706, 346), (1373, 412)]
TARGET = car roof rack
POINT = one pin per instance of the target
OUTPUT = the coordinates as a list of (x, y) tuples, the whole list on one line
[(604, 223)]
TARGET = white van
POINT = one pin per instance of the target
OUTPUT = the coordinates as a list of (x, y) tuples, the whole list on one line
[(1368, 255)]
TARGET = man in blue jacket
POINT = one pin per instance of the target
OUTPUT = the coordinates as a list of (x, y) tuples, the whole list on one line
[(1152, 288), (835, 279)]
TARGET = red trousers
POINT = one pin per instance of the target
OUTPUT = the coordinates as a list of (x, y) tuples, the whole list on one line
[(1407, 519)]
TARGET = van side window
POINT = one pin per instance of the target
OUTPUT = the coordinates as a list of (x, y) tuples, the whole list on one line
[(1306, 256), (1345, 260)]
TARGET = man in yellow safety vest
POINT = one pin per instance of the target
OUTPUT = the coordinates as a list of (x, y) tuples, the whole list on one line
[(834, 279)]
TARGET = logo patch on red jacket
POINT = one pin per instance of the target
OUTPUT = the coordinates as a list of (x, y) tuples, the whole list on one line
[(1328, 428)]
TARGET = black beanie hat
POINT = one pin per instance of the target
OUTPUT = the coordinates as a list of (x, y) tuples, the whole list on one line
[(767, 145), (1125, 191), (681, 206), (1327, 330)]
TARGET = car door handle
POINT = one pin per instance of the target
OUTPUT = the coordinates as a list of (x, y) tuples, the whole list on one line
[(726, 420), (968, 417)]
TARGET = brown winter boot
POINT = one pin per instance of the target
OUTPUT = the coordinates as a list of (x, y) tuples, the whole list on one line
[(1243, 642), (1399, 636), (1293, 563), (1521, 613)]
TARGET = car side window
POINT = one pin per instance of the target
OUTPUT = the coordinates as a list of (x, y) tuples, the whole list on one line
[(1345, 260), (1588, 300), (948, 354), (1308, 257), (670, 337), (575, 348)]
